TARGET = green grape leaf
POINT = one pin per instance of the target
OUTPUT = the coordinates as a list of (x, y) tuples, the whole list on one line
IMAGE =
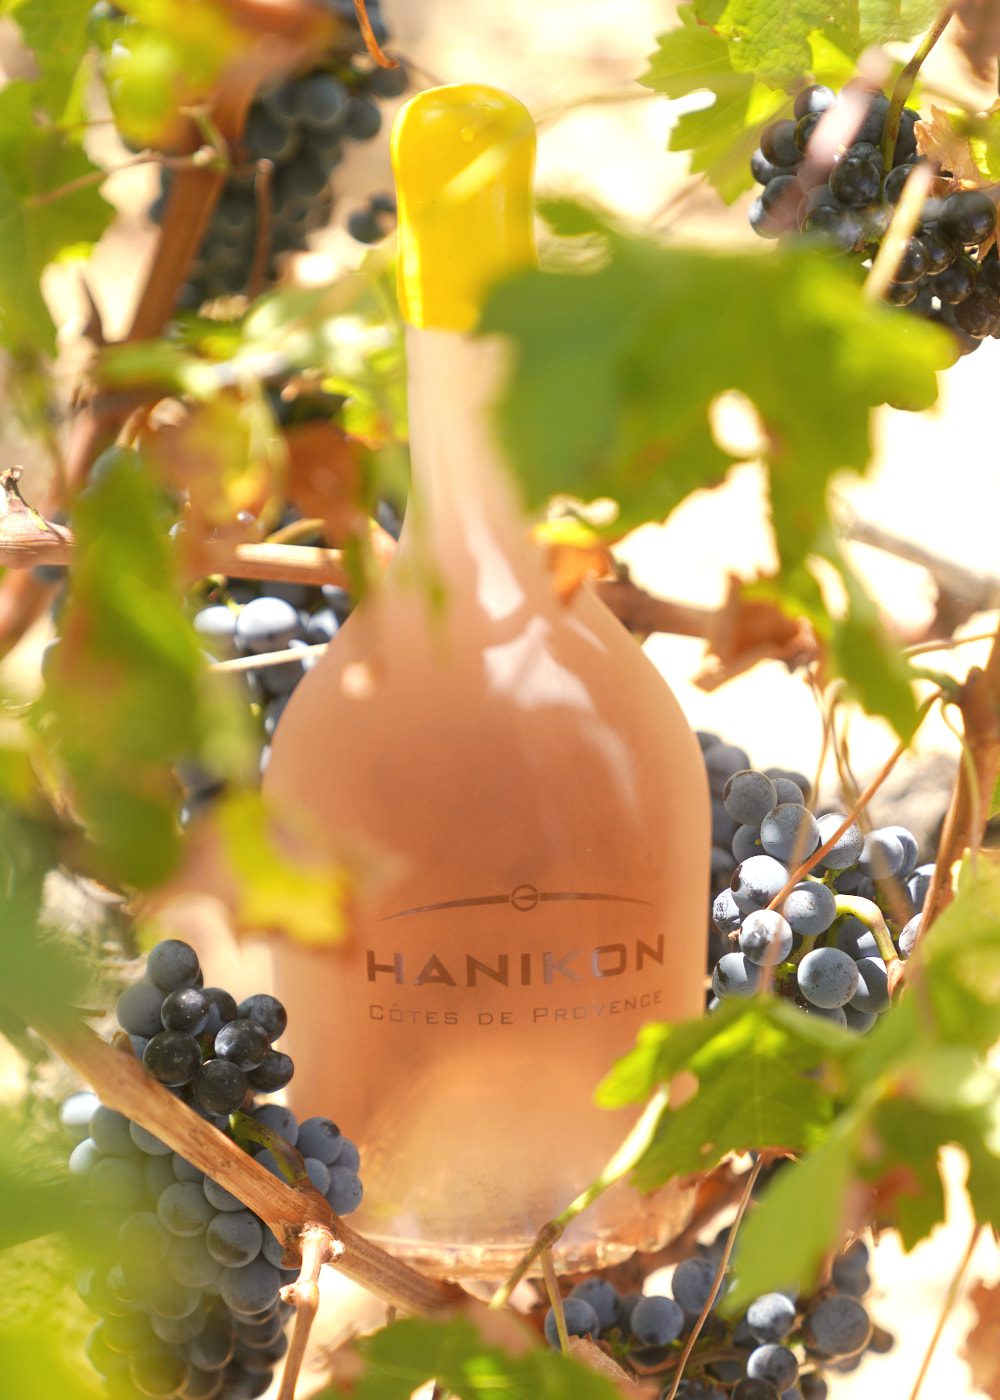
[(770, 38), (615, 374), (995, 801), (959, 958), (129, 693), (302, 899), (751, 55), (404, 1355), (804, 1208), (752, 1061), (56, 33), (892, 21), (36, 160)]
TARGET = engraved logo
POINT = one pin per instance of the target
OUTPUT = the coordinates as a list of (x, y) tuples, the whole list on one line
[(522, 897)]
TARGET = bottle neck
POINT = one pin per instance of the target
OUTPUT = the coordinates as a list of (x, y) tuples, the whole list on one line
[(464, 525)]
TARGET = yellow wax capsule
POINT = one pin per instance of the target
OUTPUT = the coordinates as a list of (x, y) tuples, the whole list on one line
[(463, 157)]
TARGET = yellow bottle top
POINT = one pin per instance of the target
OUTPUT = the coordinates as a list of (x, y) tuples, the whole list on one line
[(463, 157)]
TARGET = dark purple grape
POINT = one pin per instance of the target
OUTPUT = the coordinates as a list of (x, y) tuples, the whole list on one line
[(777, 142), (895, 181), (913, 263), (969, 217), (941, 252), (762, 169), (804, 129), (389, 82), (955, 283), (978, 315), (902, 293), (173, 1058), (841, 227), (855, 182), (186, 1010), (220, 1087), (815, 98), (273, 1073), (172, 965), (874, 121), (243, 1042), (989, 271), (221, 1008), (268, 1013)]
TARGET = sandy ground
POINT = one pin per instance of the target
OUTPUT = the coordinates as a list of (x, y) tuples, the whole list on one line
[(935, 480)]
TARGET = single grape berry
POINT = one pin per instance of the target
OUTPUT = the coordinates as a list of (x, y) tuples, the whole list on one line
[(749, 796), (138, 1009), (969, 217), (941, 252), (955, 283), (275, 1070), (656, 1322), (855, 182), (581, 1321), (895, 180), (912, 263), (815, 98), (789, 833), (172, 965), (734, 975), (185, 1010), (810, 908), (770, 1317), (766, 938), (762, 169), (602, 1297), (267, 1011), (245, 1043), (692, 1283), (173, 1058), (756, 882), (839, 1326), (777, 142), (828, 978), (979, 314), (220, 1087), (804, 128)]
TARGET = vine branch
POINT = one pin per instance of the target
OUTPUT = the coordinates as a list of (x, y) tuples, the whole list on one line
[(121, 1083), (318, 1248)]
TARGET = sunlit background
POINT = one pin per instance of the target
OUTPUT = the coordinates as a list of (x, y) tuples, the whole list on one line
[(934, 481)]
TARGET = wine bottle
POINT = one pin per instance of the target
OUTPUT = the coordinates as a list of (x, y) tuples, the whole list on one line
[(526, 786)]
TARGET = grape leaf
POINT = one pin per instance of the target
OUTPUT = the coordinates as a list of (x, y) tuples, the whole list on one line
[(34, 161), (995, 801), (982, 1345), (616, 372), (56, 33), (804, 1208), (961, 957), (129, 693), (978, 36), (751, 54), (400, 1357)]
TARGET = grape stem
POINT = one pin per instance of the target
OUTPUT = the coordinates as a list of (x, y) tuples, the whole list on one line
[(619, 1165), (868, 913), (904, 84), (246, 1129), (555, 1299), (318, 1248), (720, 1274), (368, 34), (204, 157), (120, 1082)]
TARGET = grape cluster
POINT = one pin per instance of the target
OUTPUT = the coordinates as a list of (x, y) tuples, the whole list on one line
[(822, 955), (722, 760), (244, 617), (188, 1292), (374, 220), (849, 205), (302, 128), (778, 1350)]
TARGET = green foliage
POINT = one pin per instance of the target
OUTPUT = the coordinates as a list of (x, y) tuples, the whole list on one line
[(130, 694), (402, 1356), (56, 33), (37, 158), (750, 55), (616, 374), (869, 1113)]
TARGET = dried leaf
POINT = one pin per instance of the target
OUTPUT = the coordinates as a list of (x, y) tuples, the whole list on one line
[(982, 1345), (747, 630), (978, 35), (939, 140), (587, 1351)]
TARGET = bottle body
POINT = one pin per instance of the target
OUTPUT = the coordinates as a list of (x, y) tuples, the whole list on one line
[(535, 807)]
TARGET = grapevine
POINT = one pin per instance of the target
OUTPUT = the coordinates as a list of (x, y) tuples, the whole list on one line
[(211, 507)]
